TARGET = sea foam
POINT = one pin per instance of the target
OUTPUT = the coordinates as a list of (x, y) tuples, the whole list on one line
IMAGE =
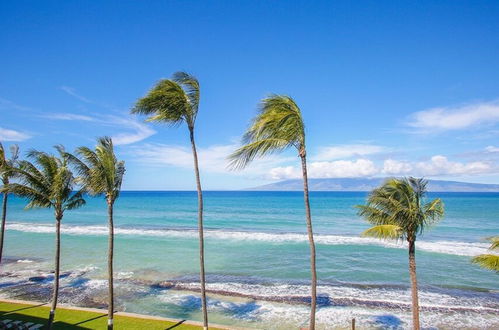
[(445, 247)]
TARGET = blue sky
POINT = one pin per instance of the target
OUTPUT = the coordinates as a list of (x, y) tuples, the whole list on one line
[(386, 88)]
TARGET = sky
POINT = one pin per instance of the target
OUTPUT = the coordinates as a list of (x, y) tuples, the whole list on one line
[(386, 88)]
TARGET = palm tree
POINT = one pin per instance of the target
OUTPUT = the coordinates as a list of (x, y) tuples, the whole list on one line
[(489, 261), (102, 174), (48, 182), (277, 126), (173, 101), (6, 172), (397, 209)]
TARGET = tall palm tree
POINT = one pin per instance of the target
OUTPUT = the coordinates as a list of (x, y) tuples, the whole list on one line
[(398, 210), (489, 261), (6, 172), (102, 174), (48, 182), (174, 101), (277, 126)]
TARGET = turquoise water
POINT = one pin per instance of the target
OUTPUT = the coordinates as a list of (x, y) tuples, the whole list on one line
[(257, 259)]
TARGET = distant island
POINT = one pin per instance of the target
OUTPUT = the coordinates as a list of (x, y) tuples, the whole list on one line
[(362, 184)]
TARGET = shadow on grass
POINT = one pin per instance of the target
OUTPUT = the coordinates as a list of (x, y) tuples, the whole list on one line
[(20, 309), (93, 318), (38, 320), (175, 325)]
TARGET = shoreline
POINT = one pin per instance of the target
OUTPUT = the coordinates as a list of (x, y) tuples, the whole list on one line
[(125, 314)]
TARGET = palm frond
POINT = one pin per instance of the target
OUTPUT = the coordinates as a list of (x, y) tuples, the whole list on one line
[(495, 243), (104, 173), (384, 232), (75, 201), (166, 102), (7, 166), (487, 261), (47, 182), (190, 85), (277, 126), (36, 198), (244, 155)]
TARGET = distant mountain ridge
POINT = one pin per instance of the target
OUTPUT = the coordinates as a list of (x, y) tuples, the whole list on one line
[(362, 184)]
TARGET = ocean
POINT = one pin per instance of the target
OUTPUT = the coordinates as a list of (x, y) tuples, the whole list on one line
[(257, 260)]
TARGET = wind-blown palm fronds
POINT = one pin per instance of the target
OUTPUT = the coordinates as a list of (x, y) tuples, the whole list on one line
[(7, 167), (398, 211), (173, 101), (277, 126), (102, 174), (489, 261), (48, 182)]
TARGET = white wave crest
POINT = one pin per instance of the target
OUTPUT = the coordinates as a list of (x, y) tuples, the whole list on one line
[(445, 247)]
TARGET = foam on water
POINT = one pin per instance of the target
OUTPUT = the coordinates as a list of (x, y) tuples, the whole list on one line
[(446, 247)]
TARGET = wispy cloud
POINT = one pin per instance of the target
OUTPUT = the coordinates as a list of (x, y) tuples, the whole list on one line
[(212, 159), (9, 105), (68, 116), (12, 135), (71, 91), (454, 118), (137, 131)]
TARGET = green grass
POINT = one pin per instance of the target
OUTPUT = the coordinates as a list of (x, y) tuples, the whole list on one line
[(76, 319)]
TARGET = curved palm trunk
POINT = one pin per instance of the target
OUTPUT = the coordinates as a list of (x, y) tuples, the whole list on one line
[(313, 289), (200, 230), (56, 275), (2, 229), (110, 253), (414, 284)]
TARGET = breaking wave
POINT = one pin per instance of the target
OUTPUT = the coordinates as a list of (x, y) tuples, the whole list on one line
[(445, 247)]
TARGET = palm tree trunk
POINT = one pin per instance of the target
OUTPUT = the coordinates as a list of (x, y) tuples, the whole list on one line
[(313, 289), (2, 229), (57, 269), (200, 230), (110, 252), (414, 284)]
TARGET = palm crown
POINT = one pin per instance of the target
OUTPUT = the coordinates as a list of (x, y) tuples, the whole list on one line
[(398, 211), (47, 182), (100, 171), (171, 101), (7, 165), (278, 125)]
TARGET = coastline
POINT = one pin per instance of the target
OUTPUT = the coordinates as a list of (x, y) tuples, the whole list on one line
[(124, 314)]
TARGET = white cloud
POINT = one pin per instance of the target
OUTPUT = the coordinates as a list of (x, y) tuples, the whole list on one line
[(12, 135), (347, 151), (440, 165), (436, 166), (396, 167), (335, 169), (71, 91), (492, 149), (454, 118)]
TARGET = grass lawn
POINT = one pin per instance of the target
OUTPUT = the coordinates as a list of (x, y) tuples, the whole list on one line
[(75, 319)]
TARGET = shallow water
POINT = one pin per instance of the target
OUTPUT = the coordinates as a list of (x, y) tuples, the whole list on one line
[(257, 260)]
